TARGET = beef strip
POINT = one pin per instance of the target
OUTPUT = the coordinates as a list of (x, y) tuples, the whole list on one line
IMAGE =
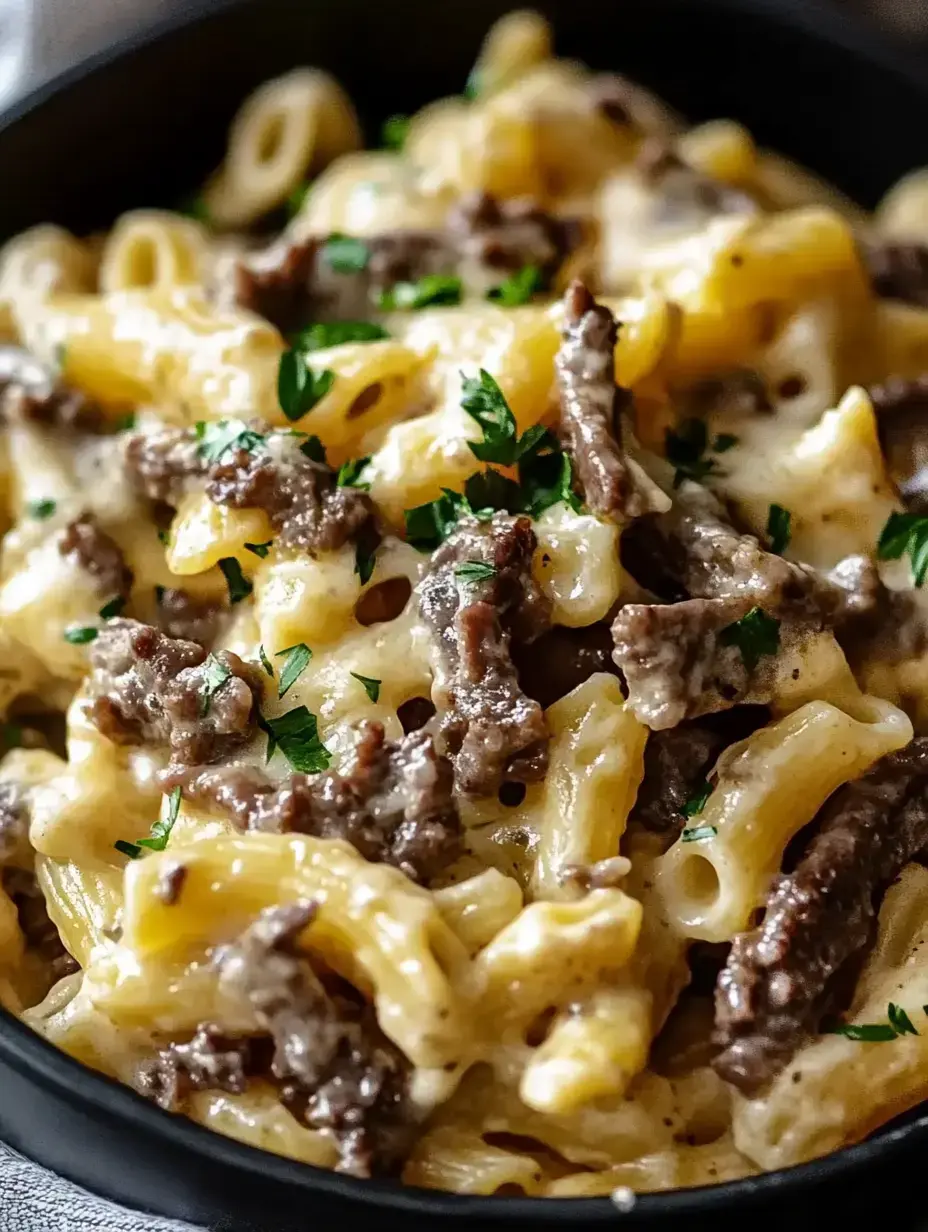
[(902, 417), (188, 617), (146, 688), (41, 935), (591, 406), (211, 1060), (301, 497), (393, 802), (487, 725), (819, 917), (898, 271), (30, 391), (338, 1073), (85, 543), (292, 282), (14, 821), (557, 662)]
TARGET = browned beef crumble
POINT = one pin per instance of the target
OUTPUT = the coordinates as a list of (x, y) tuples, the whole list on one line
[(211, 1060), (487, 725), (188, 617), (557, 662), (85, 543), (41, 935), (902, 418), (291, 282), (14, 821), (681, 193), (305, 505), (775, 984), (337, 1071), (171, 881), (898, 271), (393, 802), (146, 688), (737, 393), (591, 407), (29, 391)]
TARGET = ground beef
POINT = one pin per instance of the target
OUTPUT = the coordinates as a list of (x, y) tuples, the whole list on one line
[(557, 662), (41, 935), (14, 821), (487, 725), (188, 617), (737, 393), (211, 1060), (902, 417), (898, 271), (337, 1072), (29, 391), (683, 195), (591, 406), (93, 550), (145, 688), (393, 802), (819, 917), (292, 283), (164, 465)]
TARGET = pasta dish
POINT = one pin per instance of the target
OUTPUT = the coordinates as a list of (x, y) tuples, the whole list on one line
[(463, 641)]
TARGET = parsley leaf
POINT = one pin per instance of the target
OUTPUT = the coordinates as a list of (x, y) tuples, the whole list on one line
[(778, 528), (432, 291), (336, 333), (371, 686), (160, 831), (11, 735), (723, 442), (239, 586), (214, 677), (472, 85), (518, 289), (429, 525), (755, 634), (215, 439), (474, 571), (41, 509), (489, 490), (299, 388), (314, 449), (80, 635), (125, 423), (300, 655), (906, 533), (685, 448), (547, 479), (297, 199), (395, 130), (364, 559), (350, 472), (879, 1032), (485, 402), (113, 608), (164, 537), (345, 254), (128, 849), (296, 735), (697, 801), (259, 549), (698, 833), (196, 208), (265, 661), (900, 1021)]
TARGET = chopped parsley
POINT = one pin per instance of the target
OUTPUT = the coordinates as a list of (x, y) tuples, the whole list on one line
[(474, 571), (879, 1032), (214, 677), (297, 199), (196, 208), (80, 635), (113, 608), (215, 439), (755, 634), (296, 735), (472, 86), (371, 686), (314, 449), (518, 289), (547, 479), (778, 528), (164, 537), (906, 533), (432, 291), (11, 735), (299, 387), (489, 490), (159, 594), (259, 549), (364, 559), (336, 333), (265, 661), (300, 655), (41, 509), (160, 831), (125, 423), (239, 586), (349, 473), (697, 801), (698, 833), (395, 131), (345, 255), (429, 525), (723, 442), (685, 448), (485, 402)]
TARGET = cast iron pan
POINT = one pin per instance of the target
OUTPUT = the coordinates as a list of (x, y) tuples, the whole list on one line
[(141, 125)]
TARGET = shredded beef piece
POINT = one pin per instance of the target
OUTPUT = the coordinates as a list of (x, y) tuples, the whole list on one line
[(14, 821), (164, 464), (338, 1072), (591, 405), (146, 688), (170, 882), (488, 726), (683, 194), (819, 917), (737, 393), (40, 933), (93, 550), (393, 803), (902, 416), (508, 235), (31, 391), (189, 617), (561, 659), (898, 271), (211, 1060)]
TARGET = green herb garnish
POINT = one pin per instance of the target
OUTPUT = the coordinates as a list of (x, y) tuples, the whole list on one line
[(113, 608), (432, 291), (336, 333), (546, 478), (697, 801), (314, 449), (300, 655), (265, 661), (371, 686), (685, 448), (11, 735), (345, 254), (518, 289), (698, 833), (196, 208), (214, 677), (429, 525), (299, 388), (485, 402), (164, 537), (296, 735), (755, 635), (41, 509), (778, 528), (215, 439), (259, 549), (349, 473), (395, 131), (80, 635), (365, 556), (297, 199), (125, 423), (474, 571), (239, 586), (906, 533), (723, 442), (160, 831), (879, 1032)]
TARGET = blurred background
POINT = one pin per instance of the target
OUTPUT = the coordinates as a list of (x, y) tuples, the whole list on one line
[(40, 38)]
